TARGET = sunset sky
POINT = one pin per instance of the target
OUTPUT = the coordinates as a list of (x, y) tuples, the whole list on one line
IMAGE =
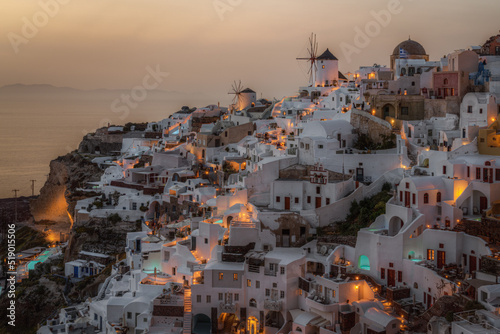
[(91, 44)]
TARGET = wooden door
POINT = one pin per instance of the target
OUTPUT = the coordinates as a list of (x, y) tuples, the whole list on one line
[(407, 199), (472, 264), (483, 204), (318, 202), (287, 203), (441, 259), (391, 277)]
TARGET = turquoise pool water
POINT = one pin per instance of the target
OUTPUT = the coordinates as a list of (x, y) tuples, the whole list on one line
[(416, 260), (364, 267), (218, 221), (40, 259)]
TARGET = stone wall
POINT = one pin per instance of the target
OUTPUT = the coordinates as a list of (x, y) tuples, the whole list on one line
[(370, 125), (440, 107)]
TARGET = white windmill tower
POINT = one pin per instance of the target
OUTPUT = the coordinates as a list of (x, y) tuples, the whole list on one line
[(243, 98), (312, 50)]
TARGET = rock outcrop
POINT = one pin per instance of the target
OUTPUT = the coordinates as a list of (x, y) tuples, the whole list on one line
[(67, 173)]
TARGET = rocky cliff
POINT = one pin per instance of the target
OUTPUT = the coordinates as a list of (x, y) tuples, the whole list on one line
[(58, 196)]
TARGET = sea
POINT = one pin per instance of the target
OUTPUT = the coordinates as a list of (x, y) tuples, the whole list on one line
[(39, 124)]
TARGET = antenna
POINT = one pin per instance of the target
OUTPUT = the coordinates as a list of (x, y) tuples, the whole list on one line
[(33, 187), (15, 203), (312, 50)]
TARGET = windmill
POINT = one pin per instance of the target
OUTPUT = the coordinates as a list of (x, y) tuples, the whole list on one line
[(313, 55), (237, 88)]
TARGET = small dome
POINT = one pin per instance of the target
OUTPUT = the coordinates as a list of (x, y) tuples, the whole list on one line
[(412, 47)]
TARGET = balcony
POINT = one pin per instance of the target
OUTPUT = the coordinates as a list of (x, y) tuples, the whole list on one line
[(269, 272), (272, 305), (227, 307), (321, 304)]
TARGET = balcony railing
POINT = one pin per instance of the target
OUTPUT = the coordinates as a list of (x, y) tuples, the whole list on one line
[(269, 272), (227, 307), (272, 305)]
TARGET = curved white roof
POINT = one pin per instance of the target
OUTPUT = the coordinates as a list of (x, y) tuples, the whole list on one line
[(379, 317), (326, 129)]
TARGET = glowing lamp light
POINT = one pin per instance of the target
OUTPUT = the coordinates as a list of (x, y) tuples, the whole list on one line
[(356, 287)]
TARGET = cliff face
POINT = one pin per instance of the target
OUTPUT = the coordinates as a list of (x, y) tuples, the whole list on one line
[(57, 195), (101, 142)]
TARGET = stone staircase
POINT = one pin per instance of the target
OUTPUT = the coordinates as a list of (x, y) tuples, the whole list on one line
[(188, 315), (387, 304)]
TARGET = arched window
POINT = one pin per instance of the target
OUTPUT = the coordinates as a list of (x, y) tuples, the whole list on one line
[(364, 262), (438, 197), (252, 303), (426, 198)]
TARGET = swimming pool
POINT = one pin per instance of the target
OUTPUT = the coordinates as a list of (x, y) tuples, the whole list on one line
[(40, 259)]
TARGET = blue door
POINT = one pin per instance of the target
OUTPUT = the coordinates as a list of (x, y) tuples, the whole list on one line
[(75, 273)]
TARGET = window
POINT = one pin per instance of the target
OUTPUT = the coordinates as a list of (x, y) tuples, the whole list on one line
[(257, 284), (441, 245), (198, 298), (400, 276), (391, 264), (308, 199), (275, 285), (497, 174), (282, 270), (333, 293), (320, 147), (206, 240), (282, 294), (307, 146), (235, 277), (129, 315), (268, 292), (480, 110), (271, 266), (413, 198), (249, 283), (444, 170), (382, 273), (323, 66), (445, 82), (468, 172), (407, 185), (469, 109), (296, 200), (221, 276), (252, 303), (401, 196), (173, 271), (327, 201), (209, 299), (221, 296), (438, 197), (236, 297), (430, 254), (134, 206), (478, 173), (426, 198), (278, 199), (318, 190)]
